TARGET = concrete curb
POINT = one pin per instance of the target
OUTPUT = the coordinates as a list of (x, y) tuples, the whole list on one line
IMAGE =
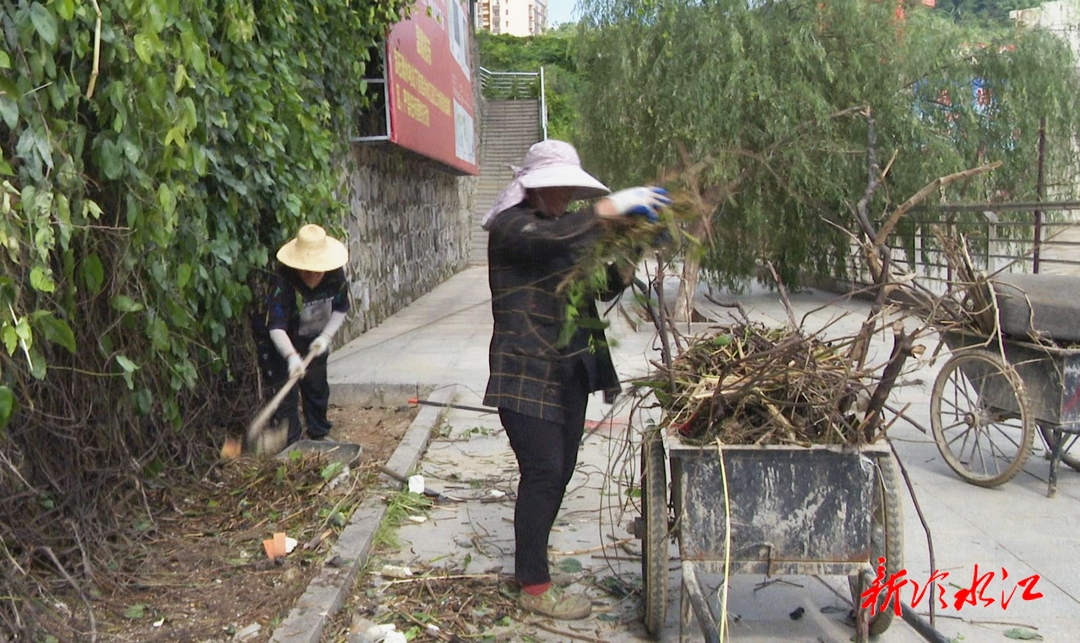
[(329, 589), (385, 394)]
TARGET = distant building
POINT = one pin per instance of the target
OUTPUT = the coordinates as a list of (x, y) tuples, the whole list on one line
[(1061, 17), (514, 17)]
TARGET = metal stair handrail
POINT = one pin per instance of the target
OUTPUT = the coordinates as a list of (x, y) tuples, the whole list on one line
[(510, 85), (516, 85)]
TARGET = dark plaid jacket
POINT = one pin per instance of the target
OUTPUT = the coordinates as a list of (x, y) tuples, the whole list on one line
[(528, 257)]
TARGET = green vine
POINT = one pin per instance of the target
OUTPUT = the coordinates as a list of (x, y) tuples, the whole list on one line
[(150, 155)]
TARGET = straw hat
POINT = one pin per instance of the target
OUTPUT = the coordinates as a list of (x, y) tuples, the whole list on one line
[(548, 164), (313, 250)]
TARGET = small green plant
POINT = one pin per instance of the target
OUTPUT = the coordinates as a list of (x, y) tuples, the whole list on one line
[(444, 429), (400, 506), (475, 432), (136, 611)]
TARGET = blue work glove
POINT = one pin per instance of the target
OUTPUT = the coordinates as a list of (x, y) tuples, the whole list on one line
[(643, 201), (662, 238)]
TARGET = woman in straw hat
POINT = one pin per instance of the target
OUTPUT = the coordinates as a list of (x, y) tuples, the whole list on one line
[(305, 306), (539, 385)]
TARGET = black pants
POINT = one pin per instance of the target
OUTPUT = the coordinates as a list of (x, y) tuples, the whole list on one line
[(312, 388), (546, 455)]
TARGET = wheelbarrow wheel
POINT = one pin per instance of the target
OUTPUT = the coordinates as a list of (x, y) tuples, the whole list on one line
[(979, 413), (886, 541), (1069, 455), (654, 541)]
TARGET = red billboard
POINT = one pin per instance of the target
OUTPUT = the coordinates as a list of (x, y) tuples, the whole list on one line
[(430, 84)]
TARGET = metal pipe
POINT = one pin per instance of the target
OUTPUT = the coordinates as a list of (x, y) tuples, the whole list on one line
[(543, 106), (449, 405), (920, 625), (1040, 191), (999, 207), (692, 591)]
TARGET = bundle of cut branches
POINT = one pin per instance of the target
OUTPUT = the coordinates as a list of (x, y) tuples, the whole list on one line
[(749, 384), (977, 309), (625, 243)]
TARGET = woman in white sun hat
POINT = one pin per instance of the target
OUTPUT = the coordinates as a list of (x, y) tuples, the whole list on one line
[(305, 306), (540, 386)]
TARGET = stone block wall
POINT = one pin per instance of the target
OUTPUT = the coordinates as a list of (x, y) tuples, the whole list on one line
[(408, 231)]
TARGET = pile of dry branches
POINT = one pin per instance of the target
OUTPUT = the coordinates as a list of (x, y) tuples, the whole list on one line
[(455, 607), (748, 384)]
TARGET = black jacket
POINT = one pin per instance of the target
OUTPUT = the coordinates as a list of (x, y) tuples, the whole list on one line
[(529, 255)]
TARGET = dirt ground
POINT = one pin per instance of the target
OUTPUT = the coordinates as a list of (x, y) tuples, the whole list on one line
[(377, 430), (203, 575)]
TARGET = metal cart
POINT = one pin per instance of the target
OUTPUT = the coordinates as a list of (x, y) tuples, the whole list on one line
[(989, 397), (768, 510)]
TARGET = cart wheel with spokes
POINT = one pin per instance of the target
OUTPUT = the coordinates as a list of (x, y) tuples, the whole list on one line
[(654, 536), (979, 413), (886, 540), (1070, 453)]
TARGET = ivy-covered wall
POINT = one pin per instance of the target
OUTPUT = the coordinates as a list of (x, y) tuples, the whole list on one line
[(408, 231), (153, 155)]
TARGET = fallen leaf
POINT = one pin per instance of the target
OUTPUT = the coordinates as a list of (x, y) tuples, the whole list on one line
[(1022, 634), (332, 470), (569, 565)]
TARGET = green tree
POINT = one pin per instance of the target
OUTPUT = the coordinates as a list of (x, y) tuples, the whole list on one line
[(771, 100)]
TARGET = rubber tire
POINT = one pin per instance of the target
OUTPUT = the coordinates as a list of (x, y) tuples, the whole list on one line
[(1069, 459), (654, 545), (886, 538), (973, 359)]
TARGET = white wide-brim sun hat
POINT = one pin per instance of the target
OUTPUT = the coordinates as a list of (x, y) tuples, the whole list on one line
[(564, 175), (313, 250), (548, 164)]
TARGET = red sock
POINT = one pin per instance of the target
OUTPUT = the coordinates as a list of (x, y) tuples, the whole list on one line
[(536, 590)]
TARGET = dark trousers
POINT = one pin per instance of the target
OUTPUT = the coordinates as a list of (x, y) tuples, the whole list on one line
[(313, 389), (546, 455)]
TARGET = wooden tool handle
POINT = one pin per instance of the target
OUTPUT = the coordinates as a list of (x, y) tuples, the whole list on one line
[(259, 423), (405, 481), (394, 474)]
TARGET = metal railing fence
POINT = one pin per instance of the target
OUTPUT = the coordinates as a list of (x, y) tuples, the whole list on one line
[(510, 85), (516, 85), (1046, 242)]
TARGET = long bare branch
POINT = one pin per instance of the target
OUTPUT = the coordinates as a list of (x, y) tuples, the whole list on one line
[(934, 185)]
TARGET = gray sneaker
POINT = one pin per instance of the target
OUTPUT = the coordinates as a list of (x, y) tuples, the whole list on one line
[(557, 604)]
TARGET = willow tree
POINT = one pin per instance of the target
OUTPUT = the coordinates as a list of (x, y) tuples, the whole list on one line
[(768, 102)]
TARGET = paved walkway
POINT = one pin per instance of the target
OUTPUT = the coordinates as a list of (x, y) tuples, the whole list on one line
[(439, 344)]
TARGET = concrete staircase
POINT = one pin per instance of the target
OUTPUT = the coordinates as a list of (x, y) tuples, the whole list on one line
[(509, 128)]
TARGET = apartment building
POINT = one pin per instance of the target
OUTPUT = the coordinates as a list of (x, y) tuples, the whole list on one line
[(514, 17)]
